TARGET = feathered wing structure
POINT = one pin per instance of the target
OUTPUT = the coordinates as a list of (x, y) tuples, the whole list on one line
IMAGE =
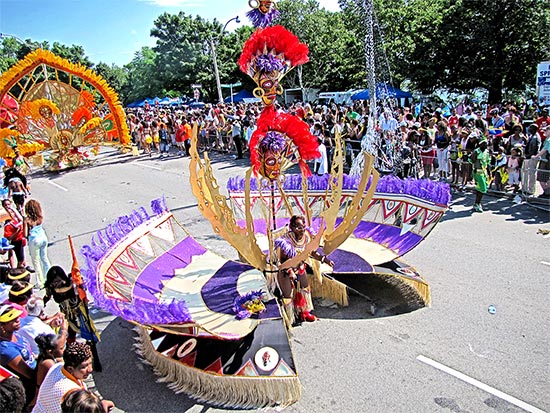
[(213, 206), (207, 325), (378, 220), (59, 106)]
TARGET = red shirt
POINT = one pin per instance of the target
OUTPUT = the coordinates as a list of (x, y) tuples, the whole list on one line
[(542, 122)]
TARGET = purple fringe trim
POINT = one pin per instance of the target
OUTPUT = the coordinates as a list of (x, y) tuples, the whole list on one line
[(425, 189), (139, 310), (259, 19)]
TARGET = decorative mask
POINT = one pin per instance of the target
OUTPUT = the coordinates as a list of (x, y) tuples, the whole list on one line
[(263, 12), (268, 56)]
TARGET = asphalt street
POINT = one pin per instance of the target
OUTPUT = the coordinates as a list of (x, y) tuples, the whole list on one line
[(455, 356)]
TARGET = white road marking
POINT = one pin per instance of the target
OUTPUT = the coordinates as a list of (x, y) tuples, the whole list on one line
[(461, 376), (545, 263), (58, 186), (147, 166)]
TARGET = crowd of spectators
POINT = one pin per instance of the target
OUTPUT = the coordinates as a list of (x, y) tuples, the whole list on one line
[(42, 365), (410, 142)]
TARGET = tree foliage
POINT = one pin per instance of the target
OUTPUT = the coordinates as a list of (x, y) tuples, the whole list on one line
[(335, 52), (462, 44), (455, 44)]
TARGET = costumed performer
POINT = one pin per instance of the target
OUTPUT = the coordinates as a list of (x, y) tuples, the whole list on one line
[(60, 287), (293, 282), (480, 162)]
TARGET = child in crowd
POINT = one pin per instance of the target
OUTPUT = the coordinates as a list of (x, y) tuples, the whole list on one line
[(500, 175), (513, 167)]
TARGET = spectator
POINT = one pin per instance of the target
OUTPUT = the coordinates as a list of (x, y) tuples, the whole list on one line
[(164, 141), (542, 122), (513, 167), (14, 232), (517, 139), (15, 352), (66, 377), (50, 351), (20, 293), (480, 162), (427, 152), (17, 192), (442, 141), (529, 166), (321, 163), (37, 240), (12, 395), (33, 325), (82, 401), (543, 172)]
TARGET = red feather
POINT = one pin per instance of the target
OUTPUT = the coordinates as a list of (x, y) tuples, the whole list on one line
[(295, 128), (278, 38)]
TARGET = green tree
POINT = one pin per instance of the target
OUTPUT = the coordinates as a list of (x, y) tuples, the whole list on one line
[(332, 43), (115, 76), (74, 54), (142, 76), (461, 44)]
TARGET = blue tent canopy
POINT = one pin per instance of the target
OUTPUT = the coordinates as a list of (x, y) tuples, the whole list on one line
[(239, 97), (383, 90)]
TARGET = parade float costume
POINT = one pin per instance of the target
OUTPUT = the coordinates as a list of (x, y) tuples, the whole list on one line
[(49, 103), (214, 328)]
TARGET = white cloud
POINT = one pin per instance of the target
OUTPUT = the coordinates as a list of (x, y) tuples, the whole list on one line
[(174, 3), (133, 32), (330, 5)]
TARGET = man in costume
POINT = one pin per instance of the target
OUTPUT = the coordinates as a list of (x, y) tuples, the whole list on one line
[(293, 282)]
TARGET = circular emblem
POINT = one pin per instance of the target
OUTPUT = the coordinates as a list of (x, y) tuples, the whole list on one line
[(266, 358)]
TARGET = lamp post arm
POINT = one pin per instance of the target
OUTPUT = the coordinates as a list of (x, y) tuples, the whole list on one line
[(216, 71)]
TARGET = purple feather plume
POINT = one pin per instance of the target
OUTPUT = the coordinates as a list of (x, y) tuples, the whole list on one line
[(139, 310), (273, 141), (259, 19), (269, 63)]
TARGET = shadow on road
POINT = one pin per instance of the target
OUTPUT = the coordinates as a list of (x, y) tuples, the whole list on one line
[(130, 383), (505, 207)]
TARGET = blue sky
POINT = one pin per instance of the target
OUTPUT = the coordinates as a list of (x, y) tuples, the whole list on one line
[(110, 31)]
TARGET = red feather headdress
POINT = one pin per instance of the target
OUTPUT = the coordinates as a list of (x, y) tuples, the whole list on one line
[(295, 129), (277, 43)]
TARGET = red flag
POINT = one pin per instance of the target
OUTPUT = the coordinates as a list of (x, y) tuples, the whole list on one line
[(76, 275)]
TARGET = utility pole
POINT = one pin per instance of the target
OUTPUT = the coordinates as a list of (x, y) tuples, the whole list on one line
[(215, 57)]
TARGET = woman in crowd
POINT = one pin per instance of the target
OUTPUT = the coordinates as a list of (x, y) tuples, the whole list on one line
[(63, 378), (442, 142), (38, 240), (14, 231), (51, 347), (427, 152), (15, 352)]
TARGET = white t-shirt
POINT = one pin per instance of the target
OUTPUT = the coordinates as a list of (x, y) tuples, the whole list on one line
[(31, 327), (322, 160)]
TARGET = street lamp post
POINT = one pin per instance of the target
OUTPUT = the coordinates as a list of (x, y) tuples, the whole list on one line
[(215, 58), (4, 35)]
